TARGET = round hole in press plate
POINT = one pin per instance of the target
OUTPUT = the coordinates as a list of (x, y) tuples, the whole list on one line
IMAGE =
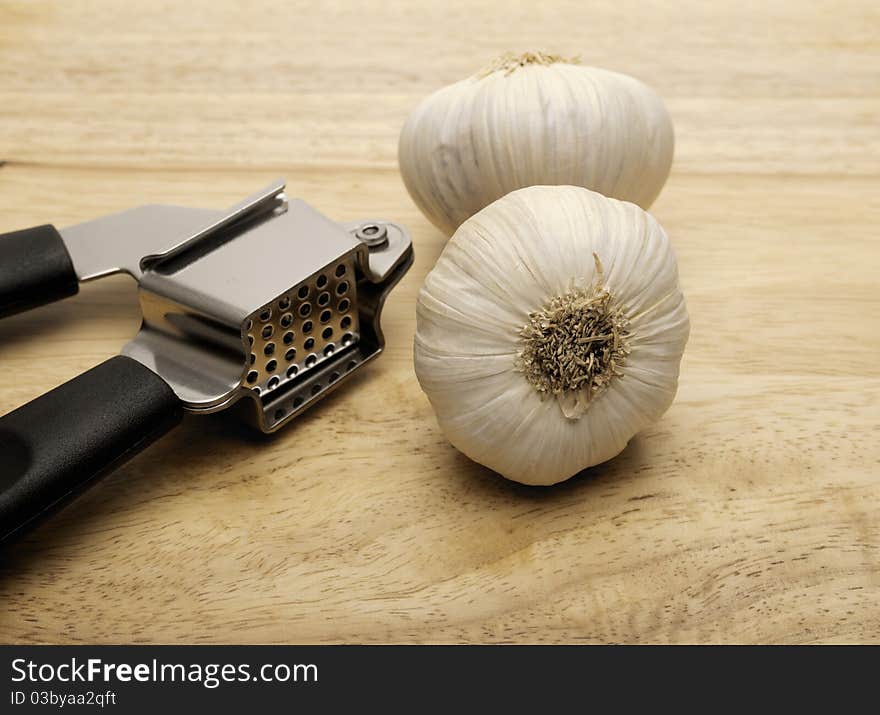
[(267, 331), (271, 365), (316, 388), (288, 337), (286, 320), (274, 382), (284, 304), (252, 376), (292, 370), (309, 343), (290, 354), (341, 288), (250, 339), (321, 282), (248, 325), (253, 358), (326, 315), (323, 299), (297, 401), (279, 414), (327, 333), (307, 326), (328, 351), (346, 321), (347, 339), (257, 390), (305, 309), (340, 270), (266, 314), (303, 292), (269, 349), (311, 360)]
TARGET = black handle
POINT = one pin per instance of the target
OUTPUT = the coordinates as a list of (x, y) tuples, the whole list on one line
[(57, 445), (35, 269)]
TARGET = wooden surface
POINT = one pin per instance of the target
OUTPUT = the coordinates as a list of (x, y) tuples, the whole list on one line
[(749, 513)]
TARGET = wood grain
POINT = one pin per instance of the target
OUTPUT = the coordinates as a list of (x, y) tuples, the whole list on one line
[(749, 513)]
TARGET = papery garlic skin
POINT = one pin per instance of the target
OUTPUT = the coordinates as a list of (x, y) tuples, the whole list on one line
[(543, 122), (505, 263)]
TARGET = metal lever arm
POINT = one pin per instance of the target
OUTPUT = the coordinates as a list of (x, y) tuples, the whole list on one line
[(35, 269), (60, 443)]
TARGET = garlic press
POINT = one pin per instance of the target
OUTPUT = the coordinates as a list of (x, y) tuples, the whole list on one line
[(268, 307)]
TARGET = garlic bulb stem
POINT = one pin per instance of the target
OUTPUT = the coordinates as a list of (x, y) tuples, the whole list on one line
[(510, 62)]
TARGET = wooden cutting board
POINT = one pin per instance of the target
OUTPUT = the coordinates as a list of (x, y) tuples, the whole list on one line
[(749, 513)]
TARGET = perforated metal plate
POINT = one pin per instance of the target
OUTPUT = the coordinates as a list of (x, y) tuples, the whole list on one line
[(303, 328)]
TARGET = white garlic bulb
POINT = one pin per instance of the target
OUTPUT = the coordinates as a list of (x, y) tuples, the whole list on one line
[(550, 331), (531, 120)]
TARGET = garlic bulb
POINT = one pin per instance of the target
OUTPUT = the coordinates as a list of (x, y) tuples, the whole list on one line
[(531, 120), (550, 331)]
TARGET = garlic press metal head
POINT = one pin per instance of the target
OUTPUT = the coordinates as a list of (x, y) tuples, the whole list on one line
[(269, 304), (270, 301)]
